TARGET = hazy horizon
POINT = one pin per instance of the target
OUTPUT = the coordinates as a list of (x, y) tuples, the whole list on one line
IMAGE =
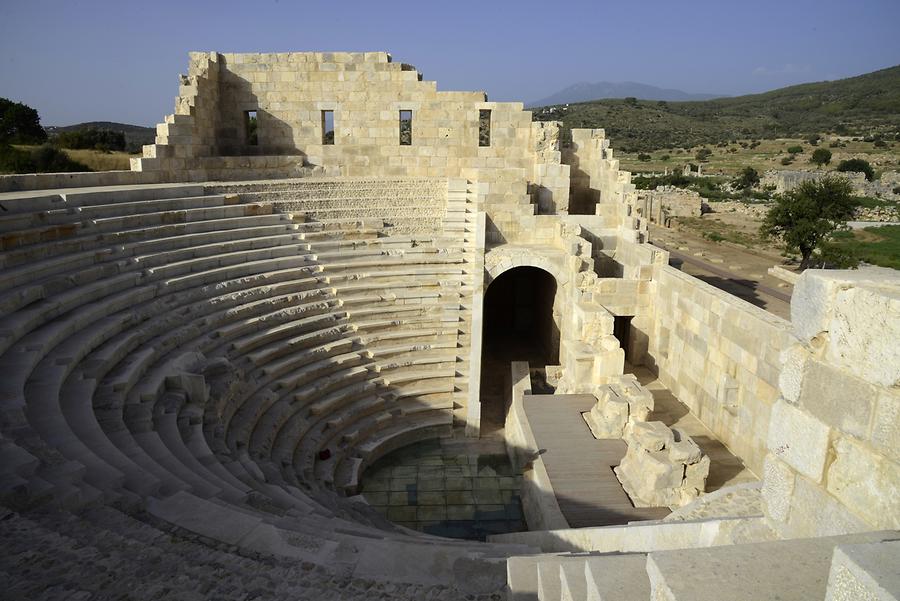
[(94, 60)]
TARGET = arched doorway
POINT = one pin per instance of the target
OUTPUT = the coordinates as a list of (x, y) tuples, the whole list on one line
[(518, 325)]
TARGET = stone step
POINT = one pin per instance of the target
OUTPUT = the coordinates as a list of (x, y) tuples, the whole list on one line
[(787, 570)]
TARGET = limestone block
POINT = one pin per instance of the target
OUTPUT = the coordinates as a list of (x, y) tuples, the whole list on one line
[(886, 426), (837, 398), (793, 361), (695, 475), (661, 467), (607, 418), (798, 439), (814, 512), (777, 488), (865, 572), (856, 316), (684, 449), (649, 436), (867, 483)]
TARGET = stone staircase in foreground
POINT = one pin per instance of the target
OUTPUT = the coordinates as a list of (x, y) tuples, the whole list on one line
[(854, 566)]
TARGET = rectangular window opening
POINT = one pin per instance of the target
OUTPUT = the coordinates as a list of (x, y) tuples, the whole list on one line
[(484, 128), (251, 128), (405, 128), (327, 127)]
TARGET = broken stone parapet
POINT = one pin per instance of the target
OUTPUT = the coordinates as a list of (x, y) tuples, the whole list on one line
[(833, 462), (662, 467), (618, 403)]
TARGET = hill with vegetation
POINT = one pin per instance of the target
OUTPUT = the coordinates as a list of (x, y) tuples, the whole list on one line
[(581, 92), (135, 135), (864, 105)]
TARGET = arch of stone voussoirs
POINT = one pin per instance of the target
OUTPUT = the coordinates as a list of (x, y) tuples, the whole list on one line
[(494, 269)]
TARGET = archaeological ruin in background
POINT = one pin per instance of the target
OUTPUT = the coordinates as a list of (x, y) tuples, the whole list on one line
[(324, 259)]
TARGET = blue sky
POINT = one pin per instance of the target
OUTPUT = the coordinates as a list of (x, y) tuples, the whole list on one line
[(85, 60)]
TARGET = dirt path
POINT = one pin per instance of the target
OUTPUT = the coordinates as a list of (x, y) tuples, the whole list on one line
[(736, 270)]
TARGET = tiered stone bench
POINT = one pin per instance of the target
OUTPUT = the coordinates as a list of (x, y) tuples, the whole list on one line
[(215, 366)]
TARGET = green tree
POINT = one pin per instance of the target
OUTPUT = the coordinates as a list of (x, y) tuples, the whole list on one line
[(821, 156), (20, 124), (748, 179), (806, 217), (795, 149), (703, 154), (857, 166), (644, 157)]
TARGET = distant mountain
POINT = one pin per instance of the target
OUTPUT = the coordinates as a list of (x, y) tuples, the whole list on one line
[(135, 135), (582, 92), (861, 105)]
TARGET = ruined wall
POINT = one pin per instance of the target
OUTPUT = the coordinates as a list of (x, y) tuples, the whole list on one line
[(833, 462), (659, 205), (787, 180), (719, 355), (366, 93), (599, 187)]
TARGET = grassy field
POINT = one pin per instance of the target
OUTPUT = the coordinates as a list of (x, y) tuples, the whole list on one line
[(730, 159), (875, 245), (95, 160)]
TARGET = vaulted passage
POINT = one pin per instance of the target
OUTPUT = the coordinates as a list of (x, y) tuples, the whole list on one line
[(518, 326), (518, 317)]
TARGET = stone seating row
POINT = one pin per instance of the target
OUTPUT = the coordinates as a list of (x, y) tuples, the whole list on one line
[(97, 409), (163, 274)]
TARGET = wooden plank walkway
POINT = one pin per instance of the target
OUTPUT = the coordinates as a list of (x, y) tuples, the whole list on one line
[(579, 465)]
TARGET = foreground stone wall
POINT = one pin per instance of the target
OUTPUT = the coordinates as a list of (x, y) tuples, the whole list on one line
[(720, 356), (833, 448)]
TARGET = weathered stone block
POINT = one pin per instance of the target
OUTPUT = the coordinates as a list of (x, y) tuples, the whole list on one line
[(886, 425), (798, 439), (865, 572), (855, 315), (837, 398), (777, 488), (814, 512), (650, 436), (793, 360), (866, 483)]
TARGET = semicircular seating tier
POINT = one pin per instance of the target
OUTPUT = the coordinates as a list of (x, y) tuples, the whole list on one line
[(228, 359)]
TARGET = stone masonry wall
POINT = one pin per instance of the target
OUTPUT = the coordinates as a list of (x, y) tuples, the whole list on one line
[(833, 462), (366, 92), (720, 356)]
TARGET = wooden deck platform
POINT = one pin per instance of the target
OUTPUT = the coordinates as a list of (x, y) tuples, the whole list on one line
[(580, 466)]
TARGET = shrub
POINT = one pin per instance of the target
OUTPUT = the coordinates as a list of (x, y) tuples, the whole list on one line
[(748, 178), (795, 149), (95, 139), (703, 154), (44, 159), (644, 157), (786, 160), (858, 166), (49, 159), (813, 139), (821, 156)]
